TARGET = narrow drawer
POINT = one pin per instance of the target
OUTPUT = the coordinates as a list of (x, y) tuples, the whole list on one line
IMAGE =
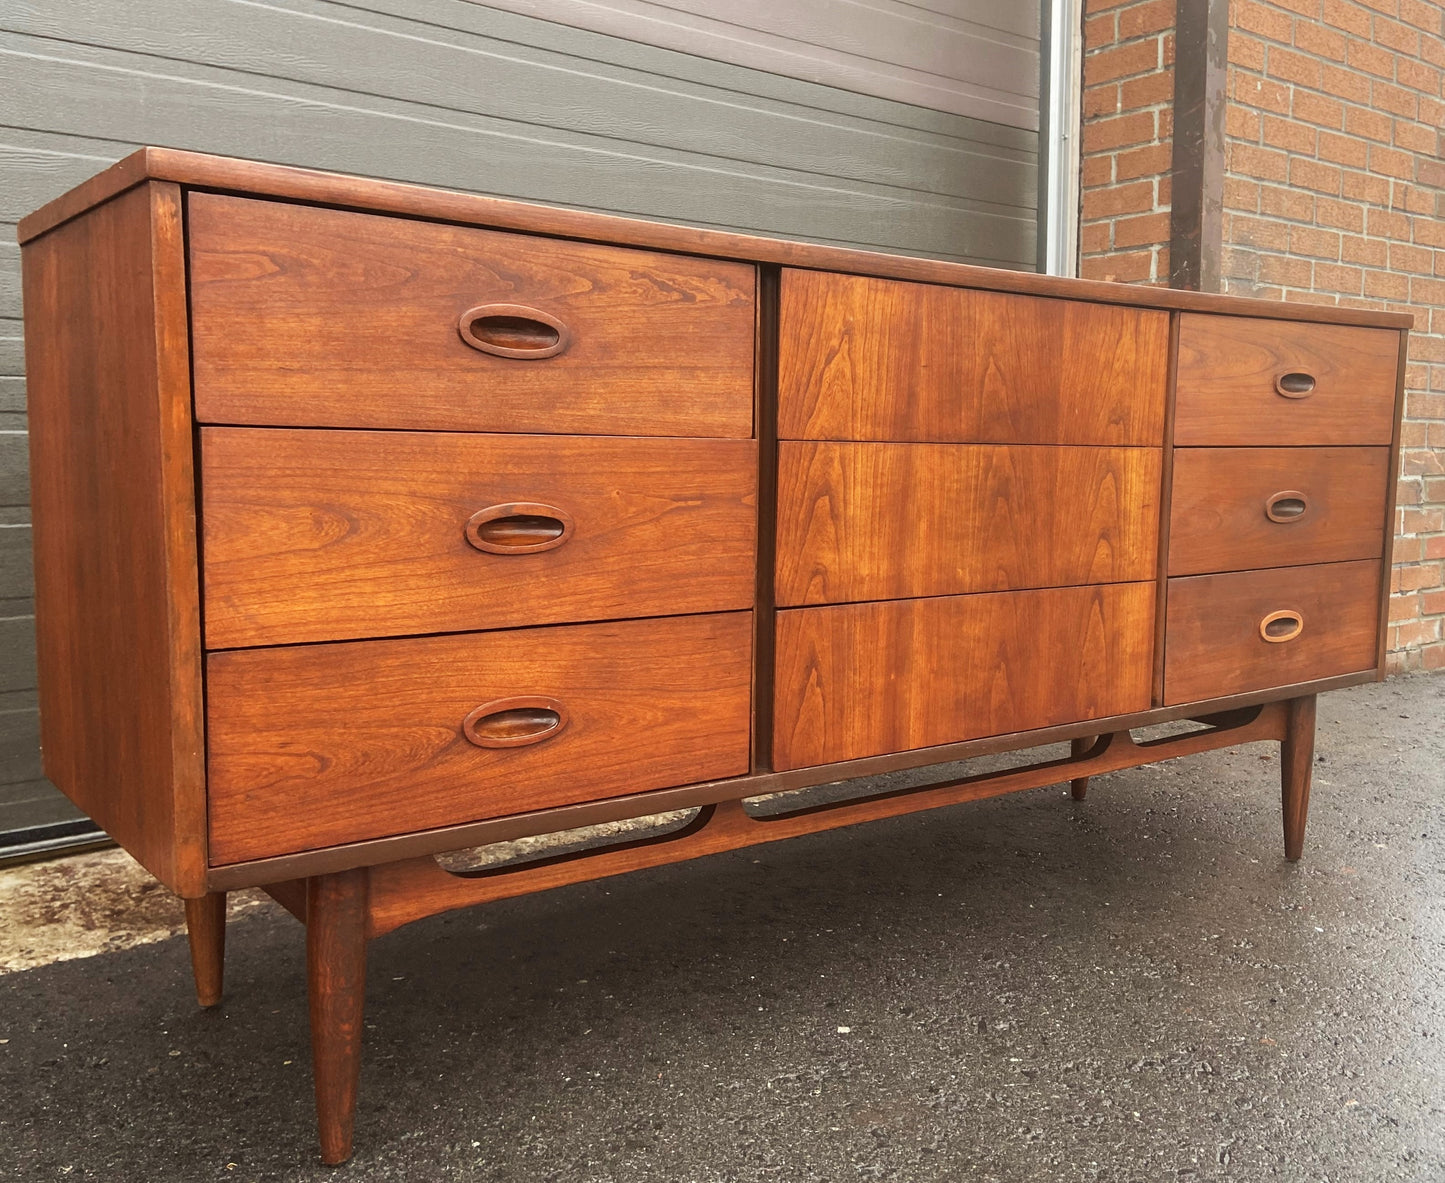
[(329, 535), (316, 317), (1234, 508), (859, 521), (877, 359), (1247, 381), (1251, 630), (859, 680), (315, 745)]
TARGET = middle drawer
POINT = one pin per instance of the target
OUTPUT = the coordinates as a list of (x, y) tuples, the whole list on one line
[(865, 521), (331, 535)]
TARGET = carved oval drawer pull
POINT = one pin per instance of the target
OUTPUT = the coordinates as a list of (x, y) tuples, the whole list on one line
[(1295, 384), (1288, 505), (519, 528), (515, 722), (513, 330), (1284, 625)]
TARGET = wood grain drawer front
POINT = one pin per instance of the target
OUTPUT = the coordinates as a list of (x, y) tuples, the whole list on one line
[(330, 535), (859, 521), (316, 317), (1248, 381), (1250, 630), (877, 359), (858, 680), (315, 745), (1235, 508)]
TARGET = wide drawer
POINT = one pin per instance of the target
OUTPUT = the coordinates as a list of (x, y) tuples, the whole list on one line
[(859, 680), (861, 521), (315, 745), (305, 316), (1234, 508), (1243, 380), (877, 359), (328, 535), (1251, 630)]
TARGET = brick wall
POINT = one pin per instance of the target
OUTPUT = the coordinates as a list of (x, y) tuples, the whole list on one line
[(1128, 115), (1334, 193)]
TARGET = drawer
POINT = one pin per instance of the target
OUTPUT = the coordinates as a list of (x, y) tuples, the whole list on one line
[(876, 359), (860, 521), (857, 680), (316, 745), (305, 316), (1234, 508), (329, 535), (1249, 381), (1227, 634)]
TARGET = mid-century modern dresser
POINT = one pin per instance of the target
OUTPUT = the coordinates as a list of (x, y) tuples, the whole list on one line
[(375, 522)]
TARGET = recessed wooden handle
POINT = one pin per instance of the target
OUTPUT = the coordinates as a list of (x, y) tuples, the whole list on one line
[(513, 330), (519, 528), (515, 722), (1295, 384), (1288, 505), (1284, 625)]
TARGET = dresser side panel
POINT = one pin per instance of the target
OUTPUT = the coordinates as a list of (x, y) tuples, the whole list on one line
[(117, 621)]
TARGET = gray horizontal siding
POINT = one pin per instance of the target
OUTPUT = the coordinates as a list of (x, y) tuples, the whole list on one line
[(461, 95), (972, 57)]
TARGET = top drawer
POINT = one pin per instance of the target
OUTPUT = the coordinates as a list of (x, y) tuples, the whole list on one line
[(877, 359), (307, 317), (1244, 381)]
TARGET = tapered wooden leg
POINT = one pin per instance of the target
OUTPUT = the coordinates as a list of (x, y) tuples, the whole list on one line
[(1080, 784), (206, 931), (336, 983), (1296, 759)]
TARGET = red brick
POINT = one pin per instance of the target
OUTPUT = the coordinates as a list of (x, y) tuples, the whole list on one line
[(1100, 100), (1417, 76), (1404, 257), (1372, 125), (1148, 90), (1298, 68), (1094, 237), (1319, 40), (1394, 35), (1395, 99), (1332, 277), (1404, 607), (1261, 233), (1101, 29), (1318, 108), (1420, 632), (1290, 135), (1346, 83), (1310, 174), (1093, 6), (1287, 272), (1429, 291), (1258, 162), (1140, 231), (1118, 130), (1420, 576), (1262, 93), (1341, 14), (1432, 657), (1384, 285), (1096, 170), (1309, 8), (1426, 17), (1346, 150), (1424, 521), (1120, 61), (1245, 51), (1384, 224), (1262, 19), (1430, 172), (1142, 19), (1321, 244), (1342, 215), (1432, 603), (1243, 194), (1369, 252), (1435, 547), (1241, 122), (1125, 268), (1148, 161), (1288, 204), (1135, 198), (1415, 137)]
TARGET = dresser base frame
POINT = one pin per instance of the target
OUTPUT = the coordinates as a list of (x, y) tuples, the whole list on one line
[(342, 910)]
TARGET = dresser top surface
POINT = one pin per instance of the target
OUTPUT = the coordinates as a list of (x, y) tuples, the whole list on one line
[(227, 174)]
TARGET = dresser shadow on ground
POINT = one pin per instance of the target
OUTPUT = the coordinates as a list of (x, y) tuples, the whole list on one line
[(1136, 986)]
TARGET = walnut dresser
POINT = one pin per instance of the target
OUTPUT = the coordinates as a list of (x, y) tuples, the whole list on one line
[(375, 522)]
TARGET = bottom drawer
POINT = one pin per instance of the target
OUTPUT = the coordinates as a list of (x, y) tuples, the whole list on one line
[(857, 680), (317, 745), (1251, 630)]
